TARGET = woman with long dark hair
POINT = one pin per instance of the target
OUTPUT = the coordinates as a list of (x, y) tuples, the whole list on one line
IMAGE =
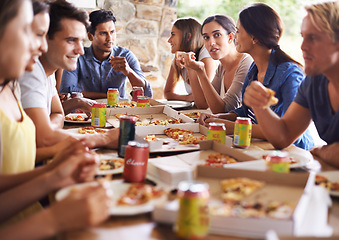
[(259, 29), (223, 94), (186, 37)]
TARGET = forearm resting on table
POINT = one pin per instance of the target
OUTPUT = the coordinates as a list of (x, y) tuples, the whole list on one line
[(328, 153), (94, 95), (38, 226)]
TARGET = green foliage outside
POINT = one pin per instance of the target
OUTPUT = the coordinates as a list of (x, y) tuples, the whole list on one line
[(291, 12)]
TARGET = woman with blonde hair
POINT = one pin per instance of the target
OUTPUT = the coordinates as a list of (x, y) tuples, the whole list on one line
[(186, 37)]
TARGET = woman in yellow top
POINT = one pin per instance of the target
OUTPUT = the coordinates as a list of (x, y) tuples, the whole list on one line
[(76, 164)]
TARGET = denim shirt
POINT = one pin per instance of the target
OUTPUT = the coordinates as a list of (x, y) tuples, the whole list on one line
[(284, 79), (94, 76)]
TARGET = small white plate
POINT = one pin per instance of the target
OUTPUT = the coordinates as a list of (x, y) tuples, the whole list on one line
[(302, 160), (119, 188), (76, 114), (107, 156), (332, 176), (176, 104)]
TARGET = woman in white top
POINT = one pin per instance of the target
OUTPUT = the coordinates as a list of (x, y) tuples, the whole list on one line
[(224, 93), (186, 37)]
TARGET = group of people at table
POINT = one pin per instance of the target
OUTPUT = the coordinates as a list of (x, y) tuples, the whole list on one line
[(38, 39)]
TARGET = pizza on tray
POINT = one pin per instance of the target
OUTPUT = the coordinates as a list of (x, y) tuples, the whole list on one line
[(91, 130), (218, 160), (125, 104), (193, 114), (111, 164), (76, 118), (234, 190), (183, 136), (130, 115), (159, 122), (325, 182), (138, 194)]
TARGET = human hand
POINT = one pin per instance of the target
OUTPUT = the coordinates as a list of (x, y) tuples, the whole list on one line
[(256, 95), (109, 139), (190, 62), (84, 104), (84, 207), (204, 117), (179, 59), (120, 64), (328, 153), (66, 148), (76, 168)]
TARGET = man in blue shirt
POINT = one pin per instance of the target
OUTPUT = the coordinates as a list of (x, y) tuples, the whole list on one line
[(317, 97), (104, 65)]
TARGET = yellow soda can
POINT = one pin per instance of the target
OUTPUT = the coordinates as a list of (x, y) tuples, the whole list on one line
[(217, 132), (98, 115), (112, 96), (242, 132), (143, 101), (193, 216)]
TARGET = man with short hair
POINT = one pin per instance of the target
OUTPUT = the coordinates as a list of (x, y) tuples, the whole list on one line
[(38, 91), (317, 98), (104, 65)]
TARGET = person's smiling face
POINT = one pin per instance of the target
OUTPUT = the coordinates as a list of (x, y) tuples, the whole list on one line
[(175, 39), (66, 45), (16, 43), (40, 27)]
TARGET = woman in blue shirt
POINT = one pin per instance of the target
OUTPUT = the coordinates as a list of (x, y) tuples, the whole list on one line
[(260, 37)]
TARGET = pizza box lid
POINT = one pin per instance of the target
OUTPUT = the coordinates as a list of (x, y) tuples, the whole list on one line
[(297, 185), (160, 172), (150, 113)]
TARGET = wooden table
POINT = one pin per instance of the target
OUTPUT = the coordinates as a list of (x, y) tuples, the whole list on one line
[(142, 227)]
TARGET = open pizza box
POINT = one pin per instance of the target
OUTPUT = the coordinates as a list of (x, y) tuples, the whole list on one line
[(293, 188), (163, 143), (148, 114), (169, 171)]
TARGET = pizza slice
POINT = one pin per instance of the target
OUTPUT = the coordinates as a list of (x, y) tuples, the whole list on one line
[(235, 189), (138, 194), (273, 100)]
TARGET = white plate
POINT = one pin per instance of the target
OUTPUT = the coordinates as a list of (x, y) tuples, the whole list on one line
[(302, 160), (332, 176), (106, 156), (176, 104), (76, 114), (119, 188)]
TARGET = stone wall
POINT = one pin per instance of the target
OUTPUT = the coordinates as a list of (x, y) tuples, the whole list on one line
[(144, 26)]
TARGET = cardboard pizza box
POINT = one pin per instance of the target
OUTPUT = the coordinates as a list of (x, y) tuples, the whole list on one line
[(295, 188), (164, 144), (148, 114), (169, 171)]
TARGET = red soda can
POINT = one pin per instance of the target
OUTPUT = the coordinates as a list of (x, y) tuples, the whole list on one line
[(137, 91), (136, 158)]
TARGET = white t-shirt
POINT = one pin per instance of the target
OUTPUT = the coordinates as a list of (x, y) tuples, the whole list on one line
[(203, 53), (37, 90)]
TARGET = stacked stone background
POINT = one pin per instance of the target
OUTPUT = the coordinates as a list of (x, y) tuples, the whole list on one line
[(144, 26)]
